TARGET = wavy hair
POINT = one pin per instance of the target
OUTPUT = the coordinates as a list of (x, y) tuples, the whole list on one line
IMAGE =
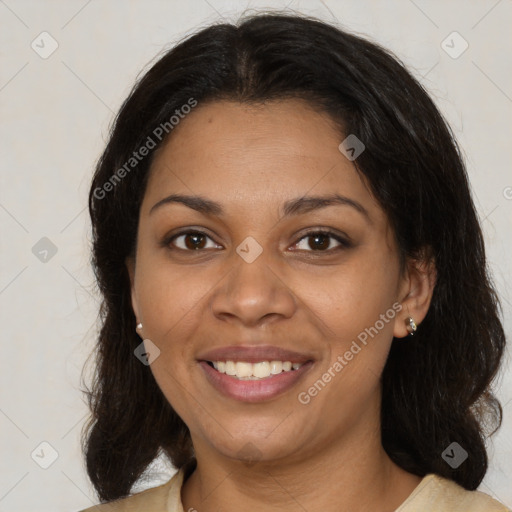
[(436, 387)]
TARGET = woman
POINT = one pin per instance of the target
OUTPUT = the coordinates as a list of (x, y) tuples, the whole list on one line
[(297, 310)]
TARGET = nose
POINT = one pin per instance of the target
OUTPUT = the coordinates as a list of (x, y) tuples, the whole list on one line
[(253, 294)]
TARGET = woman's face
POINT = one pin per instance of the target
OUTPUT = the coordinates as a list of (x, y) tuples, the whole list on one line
[(254, 281)]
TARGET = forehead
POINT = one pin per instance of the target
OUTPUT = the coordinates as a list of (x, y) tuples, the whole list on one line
[(242, 154)]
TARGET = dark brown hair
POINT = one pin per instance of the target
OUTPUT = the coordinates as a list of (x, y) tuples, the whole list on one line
[(435, 386)]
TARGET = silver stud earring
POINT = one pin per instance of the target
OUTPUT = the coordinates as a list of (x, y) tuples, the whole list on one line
[(139, 326), (411, 325)]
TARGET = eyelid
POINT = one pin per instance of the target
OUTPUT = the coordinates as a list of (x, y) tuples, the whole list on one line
[(209, 239), (344, 240), (170, 237)]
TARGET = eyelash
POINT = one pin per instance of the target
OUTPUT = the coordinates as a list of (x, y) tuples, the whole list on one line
[(343, 242)]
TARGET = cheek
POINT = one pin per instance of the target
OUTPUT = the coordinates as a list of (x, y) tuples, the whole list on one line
[(171, 302), (358, 307), (170, 298), (353, 298)]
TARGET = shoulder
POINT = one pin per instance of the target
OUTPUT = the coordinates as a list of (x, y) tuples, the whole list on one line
[(438, 494), (164, 498)]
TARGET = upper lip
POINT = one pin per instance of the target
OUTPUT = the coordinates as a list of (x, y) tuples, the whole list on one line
[(253, 354)]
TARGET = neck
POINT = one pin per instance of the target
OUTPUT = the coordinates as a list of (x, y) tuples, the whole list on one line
[(352, 472)]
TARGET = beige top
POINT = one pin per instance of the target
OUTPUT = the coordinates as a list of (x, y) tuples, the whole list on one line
[(433, 494)]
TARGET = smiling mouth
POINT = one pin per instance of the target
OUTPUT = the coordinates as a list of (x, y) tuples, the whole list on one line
[(254, 381), (243, 370)]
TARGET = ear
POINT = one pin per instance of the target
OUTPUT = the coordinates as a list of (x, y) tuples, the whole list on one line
[(416, 292), (130, 266)]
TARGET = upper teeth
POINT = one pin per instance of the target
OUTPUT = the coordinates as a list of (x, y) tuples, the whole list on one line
[(251, 371)]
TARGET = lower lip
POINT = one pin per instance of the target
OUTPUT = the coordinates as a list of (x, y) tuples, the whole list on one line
[(253, 390)]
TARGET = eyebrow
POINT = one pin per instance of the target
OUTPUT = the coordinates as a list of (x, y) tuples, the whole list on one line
[(296, 206)]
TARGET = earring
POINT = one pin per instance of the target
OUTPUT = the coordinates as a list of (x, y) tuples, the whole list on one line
[(139, 326), (411, 325)]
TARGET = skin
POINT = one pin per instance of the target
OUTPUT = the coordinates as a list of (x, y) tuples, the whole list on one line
[(325, 455)]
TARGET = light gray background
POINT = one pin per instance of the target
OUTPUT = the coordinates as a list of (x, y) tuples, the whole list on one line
[(55, 114)]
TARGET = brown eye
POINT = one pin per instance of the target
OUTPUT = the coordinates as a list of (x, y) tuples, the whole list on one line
[(320, 241), (193, 241)]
